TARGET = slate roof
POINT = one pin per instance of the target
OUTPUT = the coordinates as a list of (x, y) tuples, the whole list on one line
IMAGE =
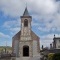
[(26, 12), (33, 35), (17, 36)]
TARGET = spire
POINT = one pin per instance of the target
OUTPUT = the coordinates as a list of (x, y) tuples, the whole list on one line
[(26, 12)]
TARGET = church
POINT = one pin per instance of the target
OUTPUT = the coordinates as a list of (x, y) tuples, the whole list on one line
[(26, 43)]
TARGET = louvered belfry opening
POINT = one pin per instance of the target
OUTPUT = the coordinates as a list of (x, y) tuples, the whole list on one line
[(26, 23)]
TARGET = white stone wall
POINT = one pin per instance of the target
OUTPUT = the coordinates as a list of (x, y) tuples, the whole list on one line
[(23, 43), (35, 48), (57, 44), (26, 30), (16, 47)]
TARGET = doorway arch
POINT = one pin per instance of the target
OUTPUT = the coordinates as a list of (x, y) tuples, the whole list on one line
[(25, 50)]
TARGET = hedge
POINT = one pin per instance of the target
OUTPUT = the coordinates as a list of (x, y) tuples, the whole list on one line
[(52, 56), (56, 56)]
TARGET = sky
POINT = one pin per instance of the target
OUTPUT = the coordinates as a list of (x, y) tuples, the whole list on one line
[(45, 19)]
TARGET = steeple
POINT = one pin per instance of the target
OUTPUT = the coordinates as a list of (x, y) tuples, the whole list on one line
[(26, 12)]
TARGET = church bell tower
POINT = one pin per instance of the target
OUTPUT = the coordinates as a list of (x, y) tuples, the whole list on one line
[(25, 46), (26, 25)]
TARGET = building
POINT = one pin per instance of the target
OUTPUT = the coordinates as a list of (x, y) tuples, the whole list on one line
[(26, 43), (55, 48), (56, 42)]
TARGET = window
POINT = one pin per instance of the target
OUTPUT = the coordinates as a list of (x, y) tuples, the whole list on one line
[(25, 22)]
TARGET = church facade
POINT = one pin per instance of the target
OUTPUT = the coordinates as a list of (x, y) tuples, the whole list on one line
[(26, 43)]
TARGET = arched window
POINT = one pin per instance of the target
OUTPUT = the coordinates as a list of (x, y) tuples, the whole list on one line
[(25, 22)]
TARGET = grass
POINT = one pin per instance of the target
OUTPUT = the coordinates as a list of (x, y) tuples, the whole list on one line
[(2, 48)]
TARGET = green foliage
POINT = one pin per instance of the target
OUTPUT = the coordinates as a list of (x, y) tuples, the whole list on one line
[(2, 48), (50, 56), (56, 56)]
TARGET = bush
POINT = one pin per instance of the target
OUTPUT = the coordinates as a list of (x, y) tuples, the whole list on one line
[(50, 56), (56, 56)]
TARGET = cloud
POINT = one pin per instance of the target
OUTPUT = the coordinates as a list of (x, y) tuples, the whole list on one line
[(2, 35), (16, 8), (12, 23), (13, 26), (44, 29), (46, 40), (35, 24), (51, 24), (45, 12), (44, 6), (12, 7), (57, 0), (15, 30)]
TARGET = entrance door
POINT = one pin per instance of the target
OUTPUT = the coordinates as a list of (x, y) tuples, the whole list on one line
[(25, 50)]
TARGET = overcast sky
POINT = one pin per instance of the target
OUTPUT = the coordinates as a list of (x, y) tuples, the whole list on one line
[(45, 19)]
